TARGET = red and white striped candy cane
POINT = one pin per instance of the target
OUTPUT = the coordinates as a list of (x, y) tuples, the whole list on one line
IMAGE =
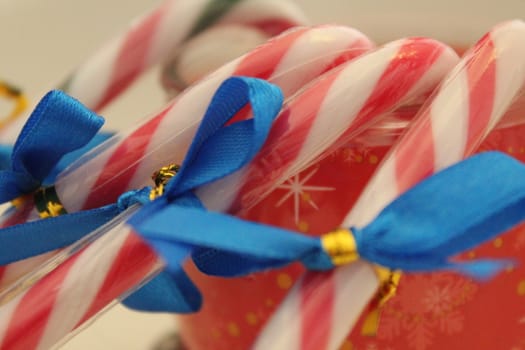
[(322, 308), (59, 288), (290, 61), (154, 37), (335, 108)]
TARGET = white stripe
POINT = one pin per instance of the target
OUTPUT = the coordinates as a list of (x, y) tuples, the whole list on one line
[(380, 191), (178, 18), (76, 183), (449, 113), (443, 65), (345, 98), (90, 80), (354, 286), (311, 53), (282, 331), (509, 46), (174, 134), (6, 314), (82, 284), (18, 269)]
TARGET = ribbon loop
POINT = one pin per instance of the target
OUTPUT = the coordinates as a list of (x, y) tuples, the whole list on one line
[(218, 150), (58, 125)]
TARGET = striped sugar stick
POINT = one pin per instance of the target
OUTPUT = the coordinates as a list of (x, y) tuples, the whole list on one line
[(128, 160), (57, 306), (321, 309), (154, 37)]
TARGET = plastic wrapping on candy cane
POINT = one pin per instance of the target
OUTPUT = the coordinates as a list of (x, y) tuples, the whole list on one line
[(127, 161), (468, 105), (434, 62)]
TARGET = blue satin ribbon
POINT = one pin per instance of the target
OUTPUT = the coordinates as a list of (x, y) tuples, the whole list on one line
[(217, 151), (7, 150), (449, 213), (59, 125)]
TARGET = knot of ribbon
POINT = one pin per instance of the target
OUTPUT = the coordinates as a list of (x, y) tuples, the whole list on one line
[(58, 126)]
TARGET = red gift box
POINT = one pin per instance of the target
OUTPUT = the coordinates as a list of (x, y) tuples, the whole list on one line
[(429, 311)]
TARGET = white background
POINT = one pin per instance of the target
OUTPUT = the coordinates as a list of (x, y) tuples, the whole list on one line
[(42, 40)]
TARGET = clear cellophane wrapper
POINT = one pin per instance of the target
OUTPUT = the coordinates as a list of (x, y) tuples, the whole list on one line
[(233, 312)]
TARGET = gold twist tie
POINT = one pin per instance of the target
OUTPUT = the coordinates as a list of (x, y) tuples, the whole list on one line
[(388, 284), (341, 246), (47, 203), (161, 178), (19, 99)]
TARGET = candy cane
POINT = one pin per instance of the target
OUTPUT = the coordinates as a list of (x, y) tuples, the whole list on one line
[(206, 52), (129, 161), (154, 37), (470, 102), (59, 290)]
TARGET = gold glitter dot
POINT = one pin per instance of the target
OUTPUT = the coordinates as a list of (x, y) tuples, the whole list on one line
[(359, 158), (522, 149), (251, 318), (373, 159), (233, 329), (269, 302), (498, 242), (471, 254), (215, 333), (510, 150), (284, 281), (347, 345), (303, 226), (305, 196), (521, 288)]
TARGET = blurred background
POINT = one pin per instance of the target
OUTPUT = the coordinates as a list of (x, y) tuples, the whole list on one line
[(43, 40)]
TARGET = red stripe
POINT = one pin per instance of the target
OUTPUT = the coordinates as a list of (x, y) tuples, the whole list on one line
[(122, 165), (411, 63), (133, 263), (131, 59), (414, 155), (284, 142), (481, 73), (356, 49), (274, 26), (317, 293), (28, 322), (15, 217), (268, 55)]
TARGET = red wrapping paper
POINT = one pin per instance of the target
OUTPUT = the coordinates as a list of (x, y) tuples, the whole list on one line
[(429, 312)]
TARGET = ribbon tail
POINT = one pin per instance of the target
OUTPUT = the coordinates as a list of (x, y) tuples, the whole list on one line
[(171, 290), (66, 230), (162, 294), (483, 269)]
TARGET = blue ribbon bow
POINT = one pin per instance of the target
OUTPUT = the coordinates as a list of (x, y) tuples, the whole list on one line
[(217, 150), (421, 231), (59, 125)]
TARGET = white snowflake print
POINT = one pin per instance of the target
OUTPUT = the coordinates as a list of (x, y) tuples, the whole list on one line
[(297, 189)]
